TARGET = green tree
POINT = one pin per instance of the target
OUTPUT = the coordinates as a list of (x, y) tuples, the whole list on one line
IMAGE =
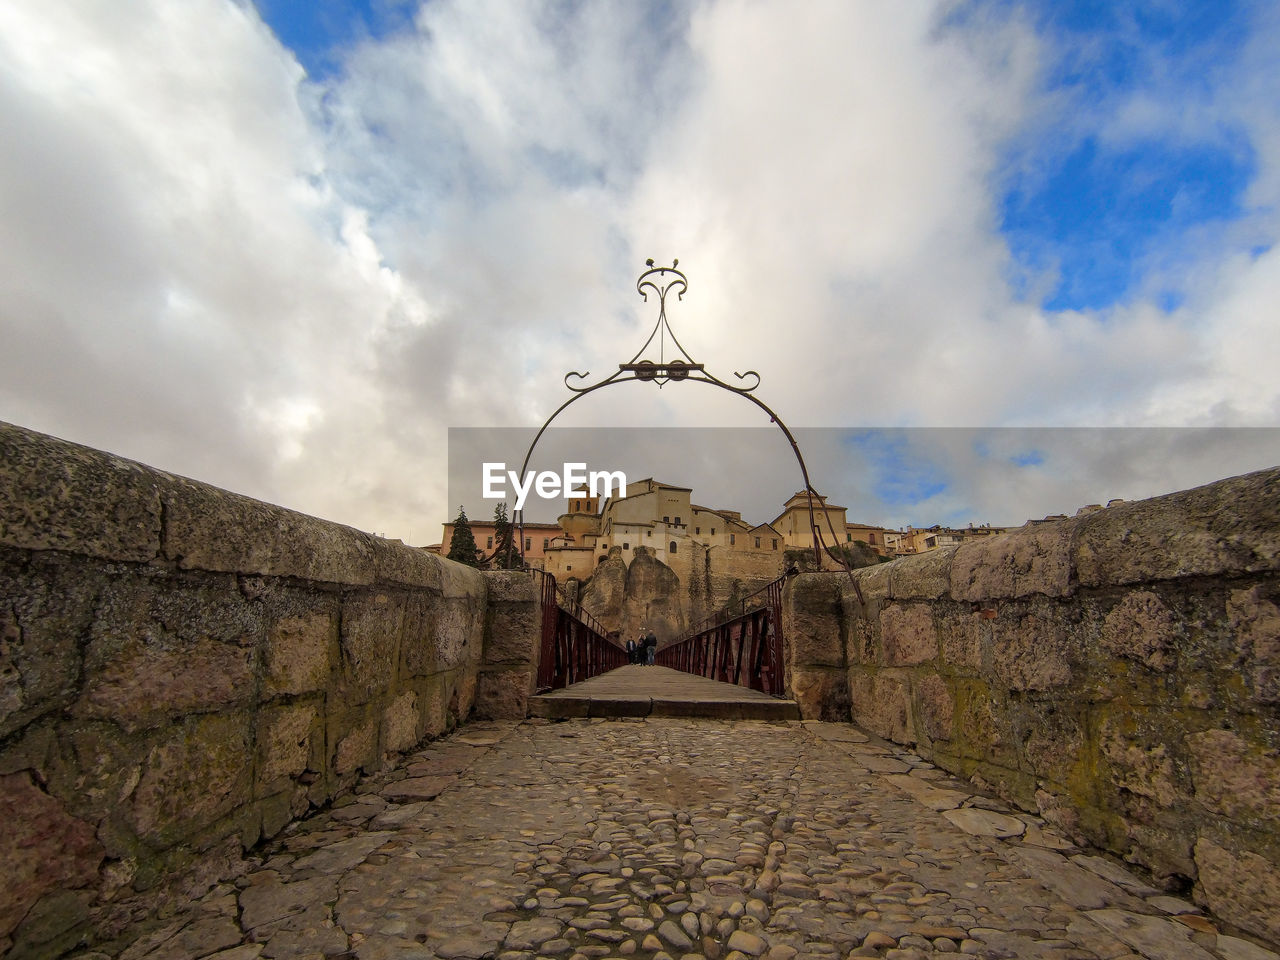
[(505, 555), (463, 545)]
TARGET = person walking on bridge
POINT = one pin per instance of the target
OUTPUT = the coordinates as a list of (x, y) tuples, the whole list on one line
[(650, 647)]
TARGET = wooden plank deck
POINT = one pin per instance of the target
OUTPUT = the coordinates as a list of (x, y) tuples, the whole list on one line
[(642, 691)]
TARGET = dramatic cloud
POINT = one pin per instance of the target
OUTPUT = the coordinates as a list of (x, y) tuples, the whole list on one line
[(292, 286)]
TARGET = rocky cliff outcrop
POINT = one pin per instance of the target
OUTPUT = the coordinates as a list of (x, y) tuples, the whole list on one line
[(654, 599), (633, 599)]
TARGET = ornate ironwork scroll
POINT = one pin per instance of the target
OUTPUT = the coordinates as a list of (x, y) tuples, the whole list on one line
[(678, 366)]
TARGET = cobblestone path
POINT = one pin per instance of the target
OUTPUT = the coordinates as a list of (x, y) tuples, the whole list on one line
[(662, 839)]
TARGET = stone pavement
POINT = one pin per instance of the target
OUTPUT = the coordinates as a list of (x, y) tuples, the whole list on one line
[(671, 838), (643, 691)]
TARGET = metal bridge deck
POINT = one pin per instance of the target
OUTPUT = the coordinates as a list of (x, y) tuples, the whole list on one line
[(642, 691)]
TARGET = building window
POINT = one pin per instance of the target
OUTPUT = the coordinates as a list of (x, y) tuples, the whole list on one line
[(528, 543), (775, 543), (568, 567), (757, 543), (733, 538), (673, 546), (666, 519), (848, 537), (546, 542), (649, 534), (713, 531), (626, 546), (488, 543), (677, 521), (697, 530), (871, 538)]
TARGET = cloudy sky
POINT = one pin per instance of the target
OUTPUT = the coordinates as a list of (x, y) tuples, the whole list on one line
[(283, 247)]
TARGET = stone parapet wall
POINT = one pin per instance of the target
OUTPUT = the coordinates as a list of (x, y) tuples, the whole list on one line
[(512, 645), (1117, 672), (183, 669)]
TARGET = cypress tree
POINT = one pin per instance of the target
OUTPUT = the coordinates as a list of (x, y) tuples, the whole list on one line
[(505, 556), (463, 545)]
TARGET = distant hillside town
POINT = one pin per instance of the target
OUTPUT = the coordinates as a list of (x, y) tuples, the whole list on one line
[(662, 517)]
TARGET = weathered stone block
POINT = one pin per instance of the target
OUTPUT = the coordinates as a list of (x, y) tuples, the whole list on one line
[(47, 607), (1234, 778), (881, 703), (861, 644), (1053, 740), (42, 847), (56, 495), (357, 749), (811, 611), (923, 577), (434, 695), (1030, 653), (935, 707), (1141, 628), (1241, 887), (192, 777), (400, 723), (400, 565), (873, 584), (907, 634), (960, 638), (370, 641), (513, 631), (1137, 764), (284, 741), (512, 586), (299, 654), (211, 529), (1254, 619), (442, 633), (982, 729), (503, 694), (464, 695), (1231, 526), (162, 647), (1165, 852), (821, 693), (1032, 560), (460, 580), (143, 685)]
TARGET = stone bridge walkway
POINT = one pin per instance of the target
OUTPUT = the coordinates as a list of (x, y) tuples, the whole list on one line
[(670, 838)]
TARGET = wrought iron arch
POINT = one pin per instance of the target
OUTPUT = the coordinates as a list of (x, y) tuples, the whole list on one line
[(680, 368)]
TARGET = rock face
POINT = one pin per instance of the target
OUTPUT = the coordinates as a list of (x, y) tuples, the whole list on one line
[(605, 593), (695, 584), (647, 595), (182, 667), (1118, 673), (652, 599)]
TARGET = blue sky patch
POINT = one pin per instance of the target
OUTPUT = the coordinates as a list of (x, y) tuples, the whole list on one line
[(902, 473), (318, 30), (1109, 218), (1105, 217)]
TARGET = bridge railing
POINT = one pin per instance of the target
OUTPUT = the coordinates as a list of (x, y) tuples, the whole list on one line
[(575, 645), (745, 650)]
